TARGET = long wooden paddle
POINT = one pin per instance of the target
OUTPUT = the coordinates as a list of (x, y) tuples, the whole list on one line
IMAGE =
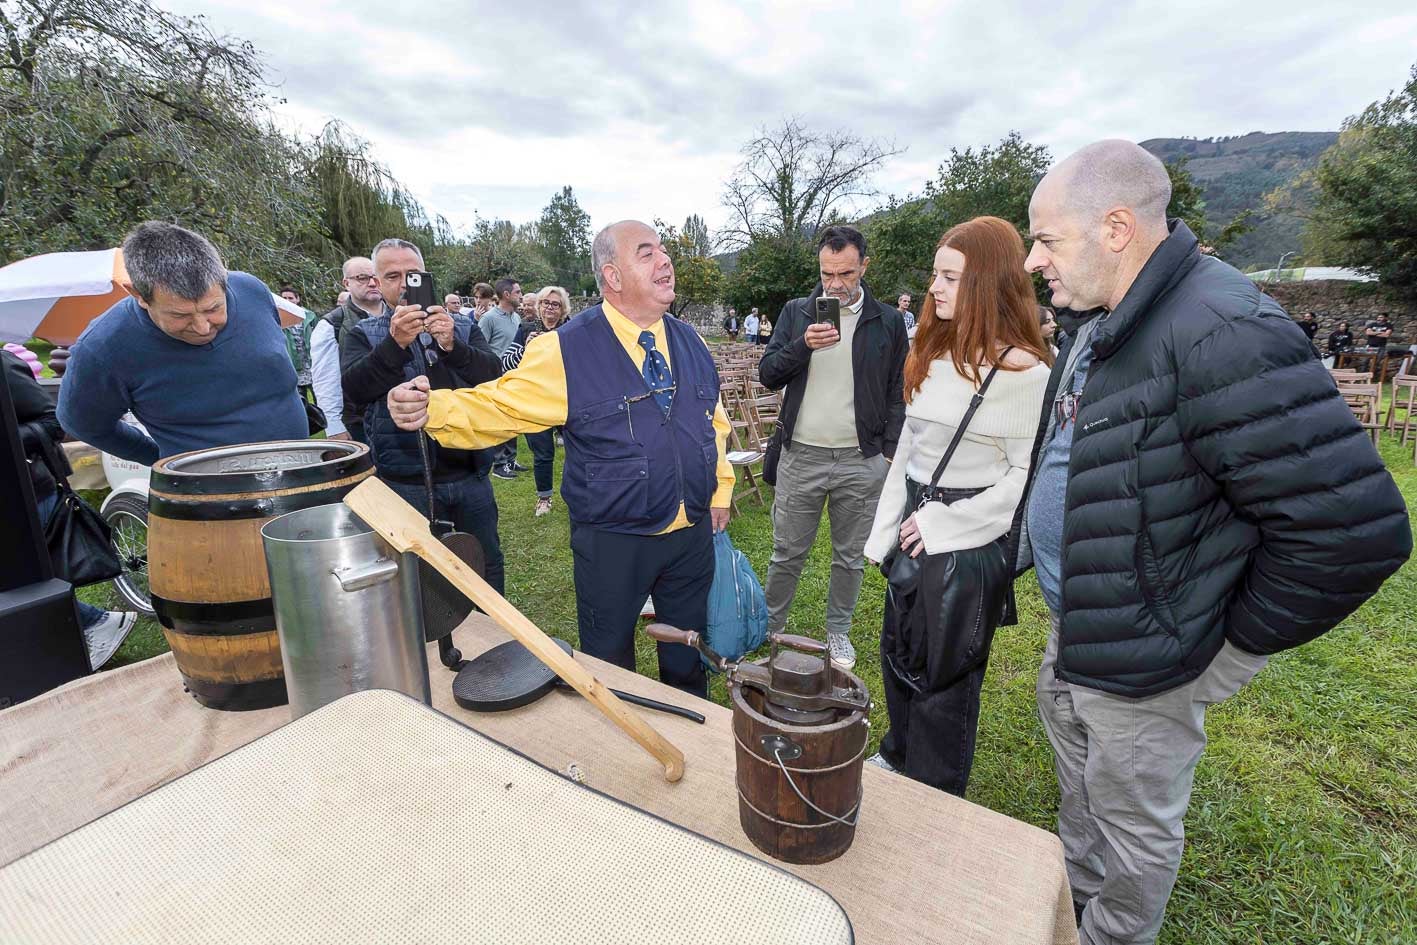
[(401, 526)]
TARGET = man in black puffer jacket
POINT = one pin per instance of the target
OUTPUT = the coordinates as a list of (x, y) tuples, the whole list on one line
[(1200, 497)]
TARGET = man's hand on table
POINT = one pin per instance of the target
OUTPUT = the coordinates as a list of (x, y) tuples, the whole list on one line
[(408, 404), (719, 517)]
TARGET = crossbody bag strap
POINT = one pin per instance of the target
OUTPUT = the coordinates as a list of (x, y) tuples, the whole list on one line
[(974, 403)]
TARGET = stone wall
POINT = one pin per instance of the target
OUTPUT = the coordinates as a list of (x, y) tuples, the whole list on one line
[(1354, 302)]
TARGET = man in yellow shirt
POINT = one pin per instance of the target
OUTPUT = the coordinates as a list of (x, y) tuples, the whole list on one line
[(646, 478)]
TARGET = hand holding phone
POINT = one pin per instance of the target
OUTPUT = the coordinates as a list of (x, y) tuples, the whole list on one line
[(418, 290), (829, 312), (406, 324)]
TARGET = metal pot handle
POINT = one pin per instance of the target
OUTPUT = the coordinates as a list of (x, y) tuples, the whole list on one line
[(366, 575)]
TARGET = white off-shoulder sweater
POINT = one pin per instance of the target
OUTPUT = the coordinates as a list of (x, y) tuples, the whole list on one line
[(993, 456)]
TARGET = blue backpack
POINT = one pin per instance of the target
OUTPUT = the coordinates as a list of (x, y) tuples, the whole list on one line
[(737, 609)]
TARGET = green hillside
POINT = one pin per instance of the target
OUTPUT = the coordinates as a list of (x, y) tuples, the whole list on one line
[(1237, 173)]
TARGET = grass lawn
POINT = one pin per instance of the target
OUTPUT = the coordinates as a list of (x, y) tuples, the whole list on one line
[(1303, 824)]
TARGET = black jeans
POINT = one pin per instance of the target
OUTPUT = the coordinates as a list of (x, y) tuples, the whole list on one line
[(615, 572), (470, 505), (942, 646), (932, 734), (543, 462), (505, 454)]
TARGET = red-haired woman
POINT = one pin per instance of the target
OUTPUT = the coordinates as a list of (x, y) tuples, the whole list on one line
[(974, 385)]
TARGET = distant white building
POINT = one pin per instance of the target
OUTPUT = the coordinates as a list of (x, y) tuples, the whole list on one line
[(1311, 274)]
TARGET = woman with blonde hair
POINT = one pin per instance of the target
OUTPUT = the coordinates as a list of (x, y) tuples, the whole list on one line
[(553, 307), (974, 385)]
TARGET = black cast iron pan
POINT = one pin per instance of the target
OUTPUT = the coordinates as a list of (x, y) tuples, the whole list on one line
[(508, 676)]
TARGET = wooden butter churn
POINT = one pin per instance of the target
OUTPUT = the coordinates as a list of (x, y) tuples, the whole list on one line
[(800, 726)]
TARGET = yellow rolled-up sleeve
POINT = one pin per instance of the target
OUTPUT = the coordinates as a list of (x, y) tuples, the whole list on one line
[(727, 478), (528, 399)]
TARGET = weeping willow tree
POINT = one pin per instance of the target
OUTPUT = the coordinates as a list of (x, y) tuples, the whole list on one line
[(359, 202), (115, 111)]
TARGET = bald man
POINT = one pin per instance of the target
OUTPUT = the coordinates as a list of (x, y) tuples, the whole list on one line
[(646, 479), (1200, 497), (359, 300)]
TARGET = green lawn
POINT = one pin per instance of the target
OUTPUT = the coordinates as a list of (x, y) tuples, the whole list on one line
[(1303, 826)]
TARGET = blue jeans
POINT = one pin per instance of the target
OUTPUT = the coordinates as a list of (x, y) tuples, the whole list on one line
[(89, 615), (543, 464), (470, 505)]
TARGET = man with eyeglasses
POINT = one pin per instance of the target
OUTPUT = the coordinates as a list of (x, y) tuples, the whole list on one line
[(449, 351), (647, 480), (342, 418)]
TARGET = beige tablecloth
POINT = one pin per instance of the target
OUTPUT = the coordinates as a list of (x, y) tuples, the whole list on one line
[(925, 867)]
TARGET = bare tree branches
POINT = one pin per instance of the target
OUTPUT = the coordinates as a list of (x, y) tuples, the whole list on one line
[(793, 181)]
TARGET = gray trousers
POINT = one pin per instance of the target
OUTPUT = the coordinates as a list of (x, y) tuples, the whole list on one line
[(849, 485), (1125, 768)]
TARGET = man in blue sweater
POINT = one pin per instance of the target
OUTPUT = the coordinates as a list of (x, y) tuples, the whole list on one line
[(196, 354)]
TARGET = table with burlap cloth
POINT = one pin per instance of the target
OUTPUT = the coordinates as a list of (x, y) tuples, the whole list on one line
[(925, 866)]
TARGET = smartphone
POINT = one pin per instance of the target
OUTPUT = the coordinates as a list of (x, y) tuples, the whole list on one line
[(418, 290), (829, 312)]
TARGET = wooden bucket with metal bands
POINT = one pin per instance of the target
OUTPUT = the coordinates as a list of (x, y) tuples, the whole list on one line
[(799, 786), (207, 566)]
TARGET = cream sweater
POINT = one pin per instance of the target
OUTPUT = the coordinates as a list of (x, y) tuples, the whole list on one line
[(993, 455)]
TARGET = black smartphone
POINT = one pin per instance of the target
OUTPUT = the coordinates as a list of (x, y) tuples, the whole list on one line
[(418, 290), (829, 312)]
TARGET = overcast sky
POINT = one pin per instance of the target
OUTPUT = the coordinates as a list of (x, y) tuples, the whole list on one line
[(486, 108)]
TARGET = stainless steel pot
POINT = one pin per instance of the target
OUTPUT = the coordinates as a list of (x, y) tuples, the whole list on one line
[(347, 608)]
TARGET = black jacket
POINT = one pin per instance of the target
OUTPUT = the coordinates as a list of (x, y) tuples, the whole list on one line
[(877, 365), (1218, 487), (342, 318), (40, 432), (372, 363)]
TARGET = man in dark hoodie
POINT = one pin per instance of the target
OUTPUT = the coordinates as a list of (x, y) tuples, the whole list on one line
[(1200, 497)]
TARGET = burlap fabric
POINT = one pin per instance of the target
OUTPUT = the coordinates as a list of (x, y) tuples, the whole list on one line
[(969, 875)]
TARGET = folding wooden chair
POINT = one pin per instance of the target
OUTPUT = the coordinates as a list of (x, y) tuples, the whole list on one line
[(1364, 400), (1404, 398), (742, 450)]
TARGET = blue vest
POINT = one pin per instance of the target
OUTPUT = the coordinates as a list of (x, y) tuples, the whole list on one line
[(628, 466)]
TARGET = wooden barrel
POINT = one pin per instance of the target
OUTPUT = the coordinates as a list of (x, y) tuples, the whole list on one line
[(207, 566), (823, 763)]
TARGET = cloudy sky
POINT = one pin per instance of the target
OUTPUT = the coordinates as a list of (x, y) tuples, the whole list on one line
[(487, 108)]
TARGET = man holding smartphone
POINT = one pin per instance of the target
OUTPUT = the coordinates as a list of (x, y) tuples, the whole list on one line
[(376, 355), (839, 357)]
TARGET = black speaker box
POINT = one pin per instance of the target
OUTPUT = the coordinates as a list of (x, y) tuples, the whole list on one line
[(41, 645)]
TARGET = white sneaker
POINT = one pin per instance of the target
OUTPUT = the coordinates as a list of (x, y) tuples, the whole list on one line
[(842, 652), (105, 637), (879, 760), (543, 506)]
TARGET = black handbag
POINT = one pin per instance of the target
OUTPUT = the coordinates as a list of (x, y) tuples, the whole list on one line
[(314, 416), (79, 540), (942, 609)]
